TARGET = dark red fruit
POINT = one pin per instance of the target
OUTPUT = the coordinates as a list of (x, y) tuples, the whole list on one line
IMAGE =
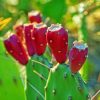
[(39, 38), (28, 28), (34, 16), (57, 39), (77, 56), (20, 32), (16, 49)]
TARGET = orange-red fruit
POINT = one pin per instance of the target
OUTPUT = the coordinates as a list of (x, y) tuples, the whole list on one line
[(16, 49), (57, 38), (77, 56), (39, 38), (34, 16)]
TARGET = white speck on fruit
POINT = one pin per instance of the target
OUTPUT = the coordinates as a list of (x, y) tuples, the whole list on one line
[(11, 51), (50, 41), (31, 31), (59, 51), (79, 64), (33, 38), (66, 43), (41, 44)]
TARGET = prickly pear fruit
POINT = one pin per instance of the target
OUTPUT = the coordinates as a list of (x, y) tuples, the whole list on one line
[(16, 49), (39, 37), (57, 39), (19, 31), (28, 39), (77, 56), (34, 16)]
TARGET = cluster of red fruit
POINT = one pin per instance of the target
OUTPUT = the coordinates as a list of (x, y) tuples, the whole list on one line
[(33, 37)]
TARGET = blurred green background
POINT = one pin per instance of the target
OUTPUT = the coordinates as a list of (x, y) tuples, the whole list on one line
[(80, 17)]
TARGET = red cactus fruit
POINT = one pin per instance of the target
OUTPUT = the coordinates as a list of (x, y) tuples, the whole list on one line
[(57, 39), (19, 31), (16, 49), (77, 56), (34, 16), (39, 37), (28, 28)]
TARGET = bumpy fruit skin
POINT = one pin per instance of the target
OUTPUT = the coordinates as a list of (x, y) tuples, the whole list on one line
[(57, 39), (39, 38), (20, 32), (34, 16), (16, 49), (77, 56), (28, 28)]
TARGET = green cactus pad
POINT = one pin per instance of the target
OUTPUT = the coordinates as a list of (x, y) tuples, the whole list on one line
[(11, 87), (63, 85), (37, 73)]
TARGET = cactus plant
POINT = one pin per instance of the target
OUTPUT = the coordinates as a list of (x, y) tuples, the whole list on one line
[(11, 87), (45, 80), (63, 85)]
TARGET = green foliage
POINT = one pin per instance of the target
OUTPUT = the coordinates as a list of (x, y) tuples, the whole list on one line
[(55, 9)]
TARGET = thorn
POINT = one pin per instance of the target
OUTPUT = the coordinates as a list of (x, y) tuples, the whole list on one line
[(70, 98), (45, 88), (65, 75), (88, 97), (80, 88), (15, 81), (79, 78), (72, 74), (54, 91), (37, 98)]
